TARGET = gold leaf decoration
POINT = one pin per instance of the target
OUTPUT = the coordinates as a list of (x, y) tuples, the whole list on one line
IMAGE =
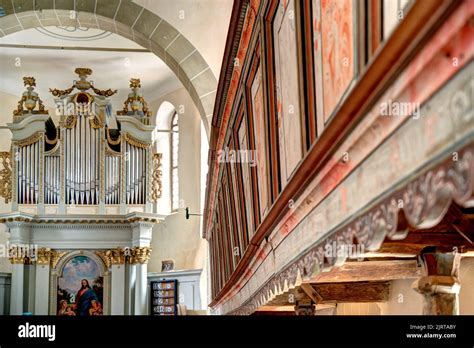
[(6, 176)]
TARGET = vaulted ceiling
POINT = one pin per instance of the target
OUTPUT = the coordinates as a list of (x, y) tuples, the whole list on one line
[(186, 38)]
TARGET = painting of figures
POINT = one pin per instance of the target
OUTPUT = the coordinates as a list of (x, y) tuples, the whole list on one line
[(80, 289)]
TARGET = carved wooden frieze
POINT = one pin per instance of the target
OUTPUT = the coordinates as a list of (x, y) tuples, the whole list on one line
[(156, 186), (6, 177), (423, 201)]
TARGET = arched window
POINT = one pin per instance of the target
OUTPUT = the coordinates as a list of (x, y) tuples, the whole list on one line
[(174, 163)]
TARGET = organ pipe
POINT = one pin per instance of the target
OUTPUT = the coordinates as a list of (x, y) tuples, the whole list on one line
[(97, 160)]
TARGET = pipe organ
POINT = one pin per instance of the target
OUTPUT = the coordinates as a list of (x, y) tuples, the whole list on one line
[(93, 157), (27, 172), (84, 188)]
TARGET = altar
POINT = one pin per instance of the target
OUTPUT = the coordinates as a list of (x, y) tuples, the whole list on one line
[(82, 196)]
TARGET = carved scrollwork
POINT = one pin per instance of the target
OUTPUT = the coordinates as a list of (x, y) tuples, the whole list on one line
[(55, 256), (424, 202), (59, 93), (30, 99), (70, 122), (427, 199), (112, 141), (104, 93), (6, 177), (43, 256), (135, 142), (95, 123), (17, 255), (156, 186), (105, 256), (140, 255), (135, 101), (117, 256), (462, 177), (30, 140)]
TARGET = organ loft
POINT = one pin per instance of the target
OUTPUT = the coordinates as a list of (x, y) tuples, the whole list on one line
[(86, 188)]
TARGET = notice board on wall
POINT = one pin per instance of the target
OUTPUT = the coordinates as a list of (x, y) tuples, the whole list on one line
[(164, 297)]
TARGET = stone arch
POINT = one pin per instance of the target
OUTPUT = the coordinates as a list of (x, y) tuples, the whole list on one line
[(131, 21)]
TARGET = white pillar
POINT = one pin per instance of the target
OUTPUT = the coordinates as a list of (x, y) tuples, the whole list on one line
[(16, 298), (118, 290), (141, 289), (141, 251), (132, 277), (42, 289)]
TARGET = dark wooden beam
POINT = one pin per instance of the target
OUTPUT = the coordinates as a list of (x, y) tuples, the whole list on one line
[(417, 241), (353, 291), (370, 271), (460, 223), (334, 292), (311, 293)]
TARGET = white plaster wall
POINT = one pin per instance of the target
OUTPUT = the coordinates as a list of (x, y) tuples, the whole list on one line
[(204, 23), (364, 308), (403, 300), (177, 238), (466, 295)]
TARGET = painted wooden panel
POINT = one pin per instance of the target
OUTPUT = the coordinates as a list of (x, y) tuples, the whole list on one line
[(236, 203), (243, 146), (231, 232), (334, 33), (260, 136), (287, 85)]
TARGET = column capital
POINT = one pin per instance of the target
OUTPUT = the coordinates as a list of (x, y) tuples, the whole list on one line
[(17, 255), (118, 256), (43, 256), (112, 256), (440, 284), (140, 255), (437, 284)]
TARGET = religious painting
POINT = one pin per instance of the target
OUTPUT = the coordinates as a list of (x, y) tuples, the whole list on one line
[(80, 288), (290, 132), (260, 137), (334, 33)]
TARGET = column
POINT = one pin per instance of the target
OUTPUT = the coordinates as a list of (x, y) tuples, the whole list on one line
[(17, 253), (440, 285), (141, 255), (132, 277), (118, 282), (42, 281), (16, 297)]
